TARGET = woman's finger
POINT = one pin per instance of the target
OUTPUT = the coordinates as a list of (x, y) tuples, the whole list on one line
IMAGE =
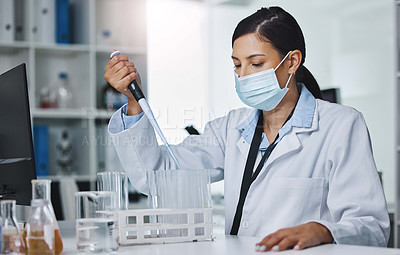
[(273, 241), (124, 72), (285, 243), (128, 79), (112, 62), (117, 59)]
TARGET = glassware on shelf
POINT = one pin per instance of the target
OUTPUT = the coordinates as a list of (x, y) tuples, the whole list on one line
[(11, 240), (40, 229), (64, 152), (64, 92), (115, 181), (47, 98), (104, 37), (41, 190)]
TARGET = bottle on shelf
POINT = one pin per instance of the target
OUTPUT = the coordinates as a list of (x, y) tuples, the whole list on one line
[(64, 92), (112, 98), (47, 98), (11, 240), (41, 190), (104, 37), (64, 158), (40, 229)]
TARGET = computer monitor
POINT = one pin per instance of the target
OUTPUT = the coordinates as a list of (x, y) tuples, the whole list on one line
[(331, 95), (17, 163)]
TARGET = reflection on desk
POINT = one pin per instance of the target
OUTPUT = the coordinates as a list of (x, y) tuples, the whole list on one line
[(222, 245)]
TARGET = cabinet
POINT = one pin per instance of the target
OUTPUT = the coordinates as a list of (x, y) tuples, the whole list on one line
[(96, 28)]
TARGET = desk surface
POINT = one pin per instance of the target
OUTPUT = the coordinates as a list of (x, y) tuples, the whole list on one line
[(222, 245)]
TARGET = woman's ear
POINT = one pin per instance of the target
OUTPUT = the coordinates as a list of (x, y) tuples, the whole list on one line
[(295, 58)]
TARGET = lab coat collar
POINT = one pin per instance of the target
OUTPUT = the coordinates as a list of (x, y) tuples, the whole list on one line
[(291, 140), (303, 116), (289, 144)]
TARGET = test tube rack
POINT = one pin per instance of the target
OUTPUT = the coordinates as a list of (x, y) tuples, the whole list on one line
[(147, 226)]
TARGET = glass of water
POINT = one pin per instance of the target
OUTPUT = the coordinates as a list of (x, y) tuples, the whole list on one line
[(115, 181), (96, 221)]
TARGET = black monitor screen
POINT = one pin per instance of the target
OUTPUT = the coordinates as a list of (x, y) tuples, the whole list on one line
[(17, 164), (331, 95)]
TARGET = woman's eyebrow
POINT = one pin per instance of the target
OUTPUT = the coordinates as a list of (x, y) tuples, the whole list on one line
[(251, 56), (256, 55)]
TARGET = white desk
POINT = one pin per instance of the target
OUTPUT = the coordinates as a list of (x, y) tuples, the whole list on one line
[(222, 245)]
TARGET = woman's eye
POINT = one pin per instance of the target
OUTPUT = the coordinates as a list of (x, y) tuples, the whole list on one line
[(257, 65), (236, 66)]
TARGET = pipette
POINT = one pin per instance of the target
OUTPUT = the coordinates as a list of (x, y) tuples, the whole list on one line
[(138, 95)]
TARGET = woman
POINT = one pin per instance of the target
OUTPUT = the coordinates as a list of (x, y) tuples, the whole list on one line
[(304, 166)]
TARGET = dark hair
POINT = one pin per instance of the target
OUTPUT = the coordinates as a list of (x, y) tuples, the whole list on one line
[(284, 33)]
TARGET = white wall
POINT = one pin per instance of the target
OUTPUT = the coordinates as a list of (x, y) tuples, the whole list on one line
[(350, 44), (177, 57)]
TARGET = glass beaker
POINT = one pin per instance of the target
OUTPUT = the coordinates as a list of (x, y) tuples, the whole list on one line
[(11, 240), (115, 181), (41, 190), (96, 221), (40, 229)]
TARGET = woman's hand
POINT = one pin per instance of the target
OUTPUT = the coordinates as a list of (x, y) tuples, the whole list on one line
[(299, 237), (119, 72)]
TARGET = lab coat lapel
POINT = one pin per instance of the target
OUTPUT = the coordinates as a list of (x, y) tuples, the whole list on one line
[(243, 146), (290, 142)]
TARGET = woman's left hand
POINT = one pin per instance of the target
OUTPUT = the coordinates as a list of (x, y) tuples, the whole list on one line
[(299, 237)]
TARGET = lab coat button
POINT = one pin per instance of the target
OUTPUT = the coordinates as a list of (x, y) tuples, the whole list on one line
[(245, 224)]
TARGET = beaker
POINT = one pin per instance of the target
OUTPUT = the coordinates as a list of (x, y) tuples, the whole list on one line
[(96, 221), (41, 190), (40, 229), (114, 181), (11, 240)]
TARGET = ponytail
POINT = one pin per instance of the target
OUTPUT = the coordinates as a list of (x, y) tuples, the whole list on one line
[(304, 76)]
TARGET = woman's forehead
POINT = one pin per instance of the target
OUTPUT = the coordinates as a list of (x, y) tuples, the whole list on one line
[(250, 44)]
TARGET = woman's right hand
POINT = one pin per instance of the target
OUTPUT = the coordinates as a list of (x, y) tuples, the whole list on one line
[(119, 72)]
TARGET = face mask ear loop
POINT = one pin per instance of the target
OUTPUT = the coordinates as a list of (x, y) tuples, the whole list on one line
[(282, 60), (287, 83)]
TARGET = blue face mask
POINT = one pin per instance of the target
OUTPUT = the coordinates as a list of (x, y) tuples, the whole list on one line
[(261, 90)]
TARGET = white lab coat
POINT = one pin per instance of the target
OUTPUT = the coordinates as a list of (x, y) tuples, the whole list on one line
[(325, 173)]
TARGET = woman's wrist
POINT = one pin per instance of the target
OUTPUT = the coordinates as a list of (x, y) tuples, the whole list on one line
[(326, 234), (133, 107)]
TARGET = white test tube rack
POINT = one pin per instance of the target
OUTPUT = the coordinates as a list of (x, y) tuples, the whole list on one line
[(141, 226)]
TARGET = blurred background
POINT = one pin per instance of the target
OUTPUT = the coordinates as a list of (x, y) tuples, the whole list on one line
[(182, 50)]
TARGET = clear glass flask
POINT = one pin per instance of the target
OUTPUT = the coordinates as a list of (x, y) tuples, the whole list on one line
[(11, 240), (40, 229), (41, 190)]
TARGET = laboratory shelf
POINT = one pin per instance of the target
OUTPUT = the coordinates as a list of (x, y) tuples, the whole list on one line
[(83, 60), (14, 45), (124, 50), (104, 114), (46, 47), (61, 114)]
